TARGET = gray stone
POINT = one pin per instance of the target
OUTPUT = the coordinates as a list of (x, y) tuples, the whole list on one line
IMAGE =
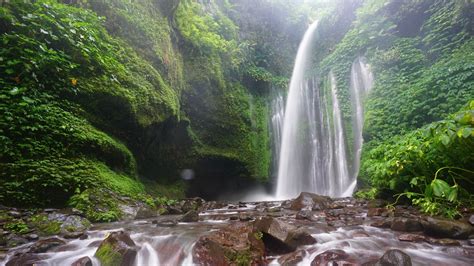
[(84, 261), (394, 257), (191, 216), (447, 228)]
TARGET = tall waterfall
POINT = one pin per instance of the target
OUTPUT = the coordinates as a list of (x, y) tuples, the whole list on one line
[(313, 155), (292, 163), (362, 81), (276, 123)]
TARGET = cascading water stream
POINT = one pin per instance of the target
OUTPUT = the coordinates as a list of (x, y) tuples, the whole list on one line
[(361, 83), (314, 155), (292, 160)]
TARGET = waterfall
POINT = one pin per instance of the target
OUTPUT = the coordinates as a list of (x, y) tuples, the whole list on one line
[(147, 256), (276, 124), (291, 167), (361, 83), (313, 154)]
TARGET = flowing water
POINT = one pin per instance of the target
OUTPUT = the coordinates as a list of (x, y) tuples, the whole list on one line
[(361, 83), (314, 154), (276, 124), (158, 245)]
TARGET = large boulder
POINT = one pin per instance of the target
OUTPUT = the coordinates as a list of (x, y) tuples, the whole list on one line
[(310, 201), (190, 217), (84, 261), (117, 249), (45, 245), (447, 228), (393, 257), (25, 259), (406, 225), (237, 243), (280, 237), (331, 257)]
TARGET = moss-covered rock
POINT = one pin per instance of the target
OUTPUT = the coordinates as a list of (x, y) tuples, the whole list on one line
[(117, 249)]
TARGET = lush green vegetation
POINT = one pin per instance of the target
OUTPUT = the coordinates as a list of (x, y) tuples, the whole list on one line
[(421, 55)]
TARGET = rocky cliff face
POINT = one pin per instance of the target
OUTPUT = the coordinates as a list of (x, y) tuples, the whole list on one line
[(111, 93)]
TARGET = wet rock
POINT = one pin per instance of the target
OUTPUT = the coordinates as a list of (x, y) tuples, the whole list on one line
[(14, 240), (83, 237), (166, 223), (25, 259), (471, 219), (145, 212), (73, 235), (280, 237), (385, 223), (376, 212), (310, 201), (15, 214), (192, 204), (292, 258), (330, 257), (443, 242), (190, 217), (69, 223), (235, 244), (45, 245), (304, 215), (376, 203), (117, 249), (299, 237), (411, 238), (84, 261), (406, 225), (245, 217), (360, 234), (470, 242), (394, 257), (32, 237), (447, 228), (173, 210), (94, 244)]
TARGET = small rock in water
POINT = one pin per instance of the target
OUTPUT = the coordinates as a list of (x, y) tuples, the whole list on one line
[(292, 258), (304, 215), (84, 261), (471, 219), (330, 257), (394, 257), (166, 223), (24, 259), (73, 235), (117, 249), (32, 237), (470, 242), (411, 238), (190, 216), (443, 242)]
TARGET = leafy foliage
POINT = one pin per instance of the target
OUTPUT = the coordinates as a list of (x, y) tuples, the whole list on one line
[(429, 165)]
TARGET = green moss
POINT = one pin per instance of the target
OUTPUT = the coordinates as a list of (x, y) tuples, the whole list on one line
[(17, 226), (108, 256)]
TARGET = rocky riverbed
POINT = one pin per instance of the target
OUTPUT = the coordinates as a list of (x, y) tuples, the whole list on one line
[(308, 230)]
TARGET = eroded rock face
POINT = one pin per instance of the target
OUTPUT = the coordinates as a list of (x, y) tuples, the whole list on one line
[(447, 228), (310, 201), (238, 242), (117, 249)]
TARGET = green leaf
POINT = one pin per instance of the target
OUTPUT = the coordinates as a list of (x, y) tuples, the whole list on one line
[(453, 194), (440, 187), (445, 140)]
